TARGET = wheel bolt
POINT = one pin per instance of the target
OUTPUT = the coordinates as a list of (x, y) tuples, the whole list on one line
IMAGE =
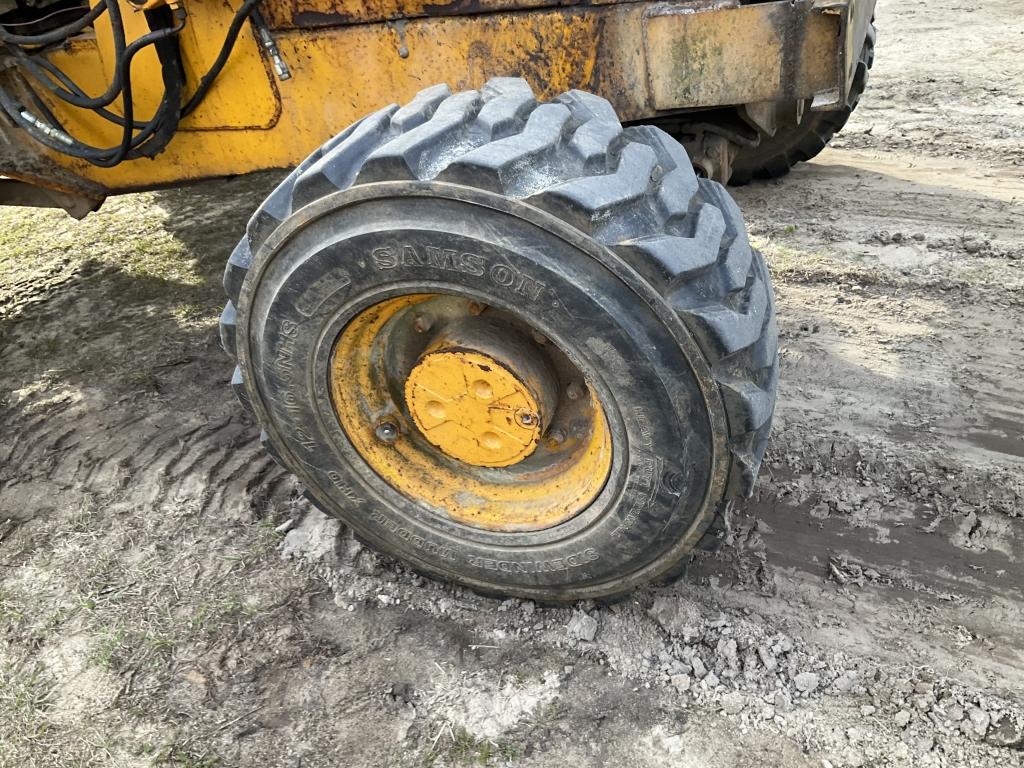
[(387, 432), (476, 308), (422, 324), (527, 419), (540, 338), (573, 392), (556, 436)]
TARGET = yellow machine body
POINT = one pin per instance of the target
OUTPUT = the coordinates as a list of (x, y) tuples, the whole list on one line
[(349, 57)]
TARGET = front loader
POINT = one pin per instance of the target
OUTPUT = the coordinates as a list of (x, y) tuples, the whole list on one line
[(508, 329)]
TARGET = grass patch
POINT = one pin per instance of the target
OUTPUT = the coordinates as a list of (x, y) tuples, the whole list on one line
[(25, 693), (810, 266), (466, 749), (12, 609), (179, 757), (128, 247)]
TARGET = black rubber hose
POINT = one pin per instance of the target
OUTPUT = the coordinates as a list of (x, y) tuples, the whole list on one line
[(167, 109), (60, 34), (76, 96), (60, 75), (109, 156), (168, 115), (82, 100), (154, 135)]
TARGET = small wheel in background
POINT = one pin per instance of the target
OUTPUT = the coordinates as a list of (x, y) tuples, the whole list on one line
[(799, 140)]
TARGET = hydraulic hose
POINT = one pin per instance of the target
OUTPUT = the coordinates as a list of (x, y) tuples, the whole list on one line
[(152, 135), (59, 141), (60, 34), (76, 96)]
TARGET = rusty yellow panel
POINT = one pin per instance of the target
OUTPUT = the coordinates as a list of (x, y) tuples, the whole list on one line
[(766, 52), (553, 51), (338, 76)]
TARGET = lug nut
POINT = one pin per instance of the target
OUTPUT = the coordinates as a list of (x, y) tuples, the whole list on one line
[(476, 308), (387, 432), (573, 392), (423, 323), (556, 436), (540, 338)]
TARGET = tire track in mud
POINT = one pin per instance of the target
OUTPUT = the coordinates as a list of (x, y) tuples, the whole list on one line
[(140, 456), (42, 417), (231, 468)]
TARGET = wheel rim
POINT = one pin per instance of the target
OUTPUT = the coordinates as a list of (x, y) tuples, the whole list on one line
[(465, 409)]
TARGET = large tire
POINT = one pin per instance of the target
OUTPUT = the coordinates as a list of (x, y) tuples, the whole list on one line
[(776, 155), (645, 276)]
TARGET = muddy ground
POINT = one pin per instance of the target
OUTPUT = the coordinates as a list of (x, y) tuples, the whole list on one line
[(166, 596)]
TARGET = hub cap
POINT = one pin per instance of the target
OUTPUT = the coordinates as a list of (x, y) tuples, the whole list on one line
[(473, 408)]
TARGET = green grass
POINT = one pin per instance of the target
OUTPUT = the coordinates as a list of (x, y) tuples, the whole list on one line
[(186, 758), (25, 693), (465, 749), (12, 611), (127, 236)]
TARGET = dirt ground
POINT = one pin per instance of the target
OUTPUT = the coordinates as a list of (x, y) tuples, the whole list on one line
[(166, 596)]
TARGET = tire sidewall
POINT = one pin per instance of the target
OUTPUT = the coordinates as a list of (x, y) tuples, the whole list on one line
[(353, 249)]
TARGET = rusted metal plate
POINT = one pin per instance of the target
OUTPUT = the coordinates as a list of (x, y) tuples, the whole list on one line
[(16, 192), (29, 177), (718, 56), (310, 14)]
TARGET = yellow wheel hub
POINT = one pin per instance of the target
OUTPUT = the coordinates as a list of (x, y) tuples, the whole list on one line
[(473, 408), (468, 415)]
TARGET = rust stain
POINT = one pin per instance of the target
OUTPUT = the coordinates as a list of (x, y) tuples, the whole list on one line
[(766, 52), (314, 14)]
